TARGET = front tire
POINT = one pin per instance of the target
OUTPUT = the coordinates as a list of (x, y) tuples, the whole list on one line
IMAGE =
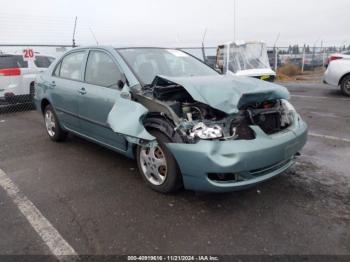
[(53, 129), (157, 166), (345, 85)]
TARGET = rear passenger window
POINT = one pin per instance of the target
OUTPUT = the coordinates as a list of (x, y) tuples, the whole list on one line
[(43, 61), (101, 70), (12, 61), (71, 66)]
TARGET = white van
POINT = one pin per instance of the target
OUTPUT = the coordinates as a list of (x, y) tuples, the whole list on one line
[(17, 76), (245, 59)]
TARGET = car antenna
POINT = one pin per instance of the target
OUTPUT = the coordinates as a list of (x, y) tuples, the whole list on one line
[(75, 26), (203, 49), (93, 35)]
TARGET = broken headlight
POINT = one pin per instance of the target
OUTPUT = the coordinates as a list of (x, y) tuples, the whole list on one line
[(287, 116), (287, 106), (203, 131)]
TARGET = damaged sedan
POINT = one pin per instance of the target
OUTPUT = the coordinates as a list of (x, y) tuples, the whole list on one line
[(184, 123)]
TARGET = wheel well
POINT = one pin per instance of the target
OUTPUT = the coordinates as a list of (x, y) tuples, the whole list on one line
[(163, 124), (341, 79), (44, 103)]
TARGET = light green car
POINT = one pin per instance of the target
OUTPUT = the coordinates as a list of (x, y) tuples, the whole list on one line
[(186, 125)]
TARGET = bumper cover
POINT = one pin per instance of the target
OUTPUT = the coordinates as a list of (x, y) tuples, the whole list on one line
[(253, 160)]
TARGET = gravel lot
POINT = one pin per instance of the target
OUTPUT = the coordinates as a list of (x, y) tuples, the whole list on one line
[(99, 204)]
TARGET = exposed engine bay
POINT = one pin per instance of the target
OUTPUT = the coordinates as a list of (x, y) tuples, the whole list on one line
[(195, 120)]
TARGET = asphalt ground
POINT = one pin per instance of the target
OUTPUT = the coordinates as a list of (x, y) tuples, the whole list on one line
[(97, 203)]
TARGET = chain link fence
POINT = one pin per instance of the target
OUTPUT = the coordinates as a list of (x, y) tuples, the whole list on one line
[(305, 58), (289, 63), (18, 72), (19, 66)]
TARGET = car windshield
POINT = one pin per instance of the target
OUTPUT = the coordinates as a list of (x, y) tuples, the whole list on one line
[(247, 56), (150, 62)]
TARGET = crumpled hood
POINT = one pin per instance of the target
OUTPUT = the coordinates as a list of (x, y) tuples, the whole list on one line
[(228, 93)]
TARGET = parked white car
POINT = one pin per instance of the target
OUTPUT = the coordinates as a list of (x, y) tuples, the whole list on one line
[(336, 56), (17, 76), (338, 74)]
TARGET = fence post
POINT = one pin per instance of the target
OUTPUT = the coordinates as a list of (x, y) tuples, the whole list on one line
[(303, 60), (276, 58), (313, 57), (324, 52)]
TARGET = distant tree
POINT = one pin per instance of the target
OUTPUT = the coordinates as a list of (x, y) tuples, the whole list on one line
[(307, 49), (296, 49)]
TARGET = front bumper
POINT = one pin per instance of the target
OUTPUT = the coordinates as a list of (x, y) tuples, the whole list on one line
[(251, 161)]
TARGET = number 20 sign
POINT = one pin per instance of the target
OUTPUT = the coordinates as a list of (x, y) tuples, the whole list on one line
[(28, 54)]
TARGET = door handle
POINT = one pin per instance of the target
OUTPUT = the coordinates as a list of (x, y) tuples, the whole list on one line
[(82, 91), (52, 84)]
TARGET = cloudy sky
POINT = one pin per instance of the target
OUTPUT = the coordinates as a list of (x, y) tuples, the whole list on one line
[(175, 22)]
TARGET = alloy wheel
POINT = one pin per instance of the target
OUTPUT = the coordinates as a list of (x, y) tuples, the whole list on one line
[(50, 123), (153, 164)]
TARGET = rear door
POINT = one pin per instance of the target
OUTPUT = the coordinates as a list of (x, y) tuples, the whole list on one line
[(6, 61), (12, 70), (66, 81), (98, 96)]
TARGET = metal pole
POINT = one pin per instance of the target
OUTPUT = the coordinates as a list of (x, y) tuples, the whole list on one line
[(303, 60), (75, 26), (203, 48), (93, 35), (313, 57), (276, 58)]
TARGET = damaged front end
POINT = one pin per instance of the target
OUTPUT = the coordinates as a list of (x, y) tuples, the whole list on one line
[(194, 120), (242, 132)]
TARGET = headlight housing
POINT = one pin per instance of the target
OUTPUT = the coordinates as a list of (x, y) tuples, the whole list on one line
[(287, 105), (203, 131), (287, 118)]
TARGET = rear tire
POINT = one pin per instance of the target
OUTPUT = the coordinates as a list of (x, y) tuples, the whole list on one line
[(158, 167), (53, 129), (345, 85)]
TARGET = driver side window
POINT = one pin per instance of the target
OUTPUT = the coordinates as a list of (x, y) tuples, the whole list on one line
[(101, 70)]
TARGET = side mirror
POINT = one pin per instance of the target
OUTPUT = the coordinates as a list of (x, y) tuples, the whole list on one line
[(120, 84), (218, 70)]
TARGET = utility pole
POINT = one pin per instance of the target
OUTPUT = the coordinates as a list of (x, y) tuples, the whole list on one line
[(323, 53), (313, 53), (203, 48), (303, 59), (75, 26), (93, 35), (276, 52)]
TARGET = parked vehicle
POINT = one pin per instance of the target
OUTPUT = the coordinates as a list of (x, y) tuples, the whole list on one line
[(245, 59), (336, 56), (338, 74), (17, 76), (185, 124)]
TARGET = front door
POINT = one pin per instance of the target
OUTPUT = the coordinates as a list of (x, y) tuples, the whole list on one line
[(98, 96)]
